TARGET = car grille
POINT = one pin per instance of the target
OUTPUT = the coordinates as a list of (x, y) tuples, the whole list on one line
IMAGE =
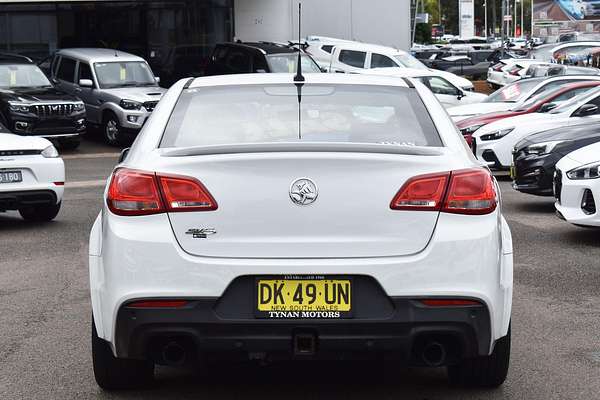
[(557, 184), (4, 153), (149, 105), (51, 110)]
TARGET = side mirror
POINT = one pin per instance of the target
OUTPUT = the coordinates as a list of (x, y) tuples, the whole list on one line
[(86, 83), (124, 154), (324, 70), (157, 79), (585, 110), (547, 107), (460, 94)]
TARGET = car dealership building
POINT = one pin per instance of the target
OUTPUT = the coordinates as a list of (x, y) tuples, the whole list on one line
[(176, 36)]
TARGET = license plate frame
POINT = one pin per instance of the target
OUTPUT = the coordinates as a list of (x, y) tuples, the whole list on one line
[(290, 313), (11, 176)]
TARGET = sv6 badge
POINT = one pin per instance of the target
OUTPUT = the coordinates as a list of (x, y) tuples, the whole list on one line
[(201, 233)]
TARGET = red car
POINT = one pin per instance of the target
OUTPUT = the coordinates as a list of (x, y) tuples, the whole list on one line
[(564, 92)]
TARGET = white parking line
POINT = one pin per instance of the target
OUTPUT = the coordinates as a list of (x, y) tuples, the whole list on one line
[(92, 155), (86, 184)]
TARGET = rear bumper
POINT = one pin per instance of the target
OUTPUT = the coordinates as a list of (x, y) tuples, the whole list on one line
[(201, 328), (468, 257), (17, 199)]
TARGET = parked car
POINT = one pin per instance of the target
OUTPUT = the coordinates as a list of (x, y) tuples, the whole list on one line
[(535, 157), (542, 102), (32, 176), (577, 187), (30, 105), (320, 49), (173, 276), (514, 95), (448, 94), (358, 57), (259, 57), (468, 68), (119, 89), (494, 142)]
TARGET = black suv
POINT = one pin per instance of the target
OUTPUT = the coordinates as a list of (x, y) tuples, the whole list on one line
[(245, 58), (30, 105)]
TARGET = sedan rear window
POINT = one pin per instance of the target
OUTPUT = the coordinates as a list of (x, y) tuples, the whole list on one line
[(326, 113)]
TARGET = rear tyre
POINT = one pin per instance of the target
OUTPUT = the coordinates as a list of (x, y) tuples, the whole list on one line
[(111, 129), (40, 213), (113, 373), (488, 371)]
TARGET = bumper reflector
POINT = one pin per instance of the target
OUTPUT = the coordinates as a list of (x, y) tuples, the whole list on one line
[(449, 302), (157, 304)]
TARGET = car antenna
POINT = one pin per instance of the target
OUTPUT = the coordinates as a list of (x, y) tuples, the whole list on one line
[(299, 78)]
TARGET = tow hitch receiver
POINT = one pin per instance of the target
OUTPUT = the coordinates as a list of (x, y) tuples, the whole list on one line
[(305, 344)]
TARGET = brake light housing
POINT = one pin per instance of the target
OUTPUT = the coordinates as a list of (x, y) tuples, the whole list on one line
[(133, 193), (468, 191)]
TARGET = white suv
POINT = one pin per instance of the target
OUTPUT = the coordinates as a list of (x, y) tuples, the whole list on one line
[(353, 57), (318, 216)]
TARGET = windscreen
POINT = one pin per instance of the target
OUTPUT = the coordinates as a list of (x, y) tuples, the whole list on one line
[(513, 92), (286, 63), (22, 76), (123, 74), (325, 113), (409, 61)]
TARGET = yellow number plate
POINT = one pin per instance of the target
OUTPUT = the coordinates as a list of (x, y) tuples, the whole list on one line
[(513, 172), (304, 298)]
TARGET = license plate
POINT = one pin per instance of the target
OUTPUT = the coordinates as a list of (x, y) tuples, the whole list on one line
[(303, 298), (10, 176), (513, 172)]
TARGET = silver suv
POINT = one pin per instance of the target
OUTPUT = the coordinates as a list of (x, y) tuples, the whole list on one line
[(119, 89)]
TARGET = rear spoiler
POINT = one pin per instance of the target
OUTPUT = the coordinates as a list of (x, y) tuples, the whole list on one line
[(334, 147)]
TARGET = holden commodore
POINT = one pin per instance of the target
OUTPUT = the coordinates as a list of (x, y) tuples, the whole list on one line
[(269, 217)]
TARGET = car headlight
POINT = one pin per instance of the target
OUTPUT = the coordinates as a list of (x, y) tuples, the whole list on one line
[(130, 104), (542, 148), (470, 129), (499, 134), (50, 152), (18, 107), (79, 106), (588, 171)]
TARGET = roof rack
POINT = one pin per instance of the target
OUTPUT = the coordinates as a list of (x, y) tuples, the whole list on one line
[(15, 57)]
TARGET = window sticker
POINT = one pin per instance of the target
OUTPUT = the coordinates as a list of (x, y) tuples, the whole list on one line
[(122, 73), (13, 78)]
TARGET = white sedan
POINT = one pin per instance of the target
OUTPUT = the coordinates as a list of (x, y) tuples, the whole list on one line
[(32, 176), (577, 186), (324, 216), (493, 143), (445, 91)]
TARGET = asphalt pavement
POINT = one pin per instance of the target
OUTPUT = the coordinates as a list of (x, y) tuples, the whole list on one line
[(45, 316)]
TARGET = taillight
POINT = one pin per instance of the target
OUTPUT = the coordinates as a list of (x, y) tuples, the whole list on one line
[(515, 71), (133, 192), (424, 193), (185, 194), (498, 67), (469, 191)]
